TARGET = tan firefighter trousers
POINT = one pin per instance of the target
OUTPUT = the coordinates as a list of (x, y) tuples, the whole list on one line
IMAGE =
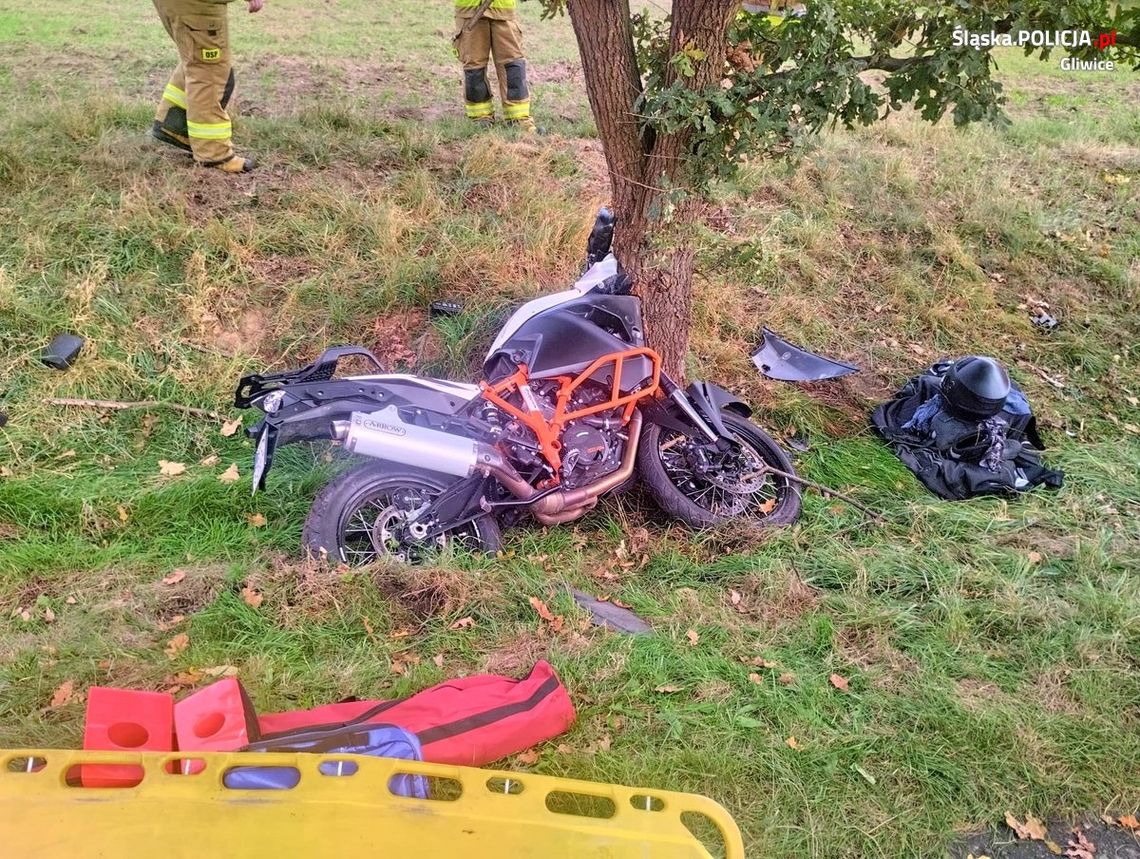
[(497, 33), (200, 31)]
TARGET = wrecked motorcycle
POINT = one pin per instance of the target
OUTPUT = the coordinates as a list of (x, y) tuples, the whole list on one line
[(573, 405)]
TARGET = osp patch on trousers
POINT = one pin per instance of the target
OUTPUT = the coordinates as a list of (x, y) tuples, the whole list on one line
[(956, 457), (469, 721)]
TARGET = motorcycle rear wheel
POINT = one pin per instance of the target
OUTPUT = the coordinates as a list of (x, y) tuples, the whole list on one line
[(666, 463), (356, 518)]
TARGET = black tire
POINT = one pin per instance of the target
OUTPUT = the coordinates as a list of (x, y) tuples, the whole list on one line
[(682, 501), (327, 531)]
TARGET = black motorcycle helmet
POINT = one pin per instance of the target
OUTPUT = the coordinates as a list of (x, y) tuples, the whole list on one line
[(975, 387)]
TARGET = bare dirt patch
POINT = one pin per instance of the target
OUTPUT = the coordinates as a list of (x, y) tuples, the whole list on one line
[(243, 335)]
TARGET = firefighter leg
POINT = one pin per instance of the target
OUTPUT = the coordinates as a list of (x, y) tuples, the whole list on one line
[(201, 31), (510, 64), (170, 117), (474, 49)]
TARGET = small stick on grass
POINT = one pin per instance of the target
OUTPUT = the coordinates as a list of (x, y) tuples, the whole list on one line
[(118, 405), (826, 491)]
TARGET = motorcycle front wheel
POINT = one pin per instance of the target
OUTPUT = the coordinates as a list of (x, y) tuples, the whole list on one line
[(699, 484), (360, 518)]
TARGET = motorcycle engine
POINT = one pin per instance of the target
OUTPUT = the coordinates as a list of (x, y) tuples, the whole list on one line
[(592, 446)]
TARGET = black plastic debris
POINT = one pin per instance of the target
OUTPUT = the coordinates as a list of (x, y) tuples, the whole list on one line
[(62, 351), (445, 308), (609, 615), (776, 358)]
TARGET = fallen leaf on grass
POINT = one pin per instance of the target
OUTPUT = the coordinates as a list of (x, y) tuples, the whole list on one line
[(230, 427), (972, 856), (62, 695), (256, 520), (210, 461), (667, 689), (221, 671), (170, 469), (176, 645), (693, 637), (760, 662), (438, 660), (185, 678), (253, 598), (174, 578), (602, 744), (1032, 830), (735, 597), (1079, 846), (1129, 821), (71, 600), (49, 615), (1108, 819), (230, 475), (838, 682), (638, 540), (791, 743), (756, 678), (786, 679), (564, 749), (527, 758), (463, 623), (123, 514), (1035, 557), (541, 607), (24, 614), (767, 507)]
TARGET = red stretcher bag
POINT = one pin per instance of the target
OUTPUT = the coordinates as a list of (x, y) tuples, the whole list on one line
[(469, 721)]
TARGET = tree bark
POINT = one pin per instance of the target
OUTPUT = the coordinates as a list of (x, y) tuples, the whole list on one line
[(653, 245)]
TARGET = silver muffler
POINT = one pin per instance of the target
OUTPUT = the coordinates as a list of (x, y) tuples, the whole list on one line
[(384, 435)]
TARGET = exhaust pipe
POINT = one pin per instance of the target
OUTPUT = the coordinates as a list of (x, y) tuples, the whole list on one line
[(383, 435), (569, 504)]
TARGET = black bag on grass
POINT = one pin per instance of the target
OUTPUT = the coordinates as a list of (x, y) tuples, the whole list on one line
[(956, 456)]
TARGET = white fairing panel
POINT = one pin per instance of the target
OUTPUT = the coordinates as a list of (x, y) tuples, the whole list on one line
[(594, 276)]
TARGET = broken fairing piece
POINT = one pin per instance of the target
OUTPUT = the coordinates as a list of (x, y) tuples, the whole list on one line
[(778, 359), (612, 616), (62, 351)]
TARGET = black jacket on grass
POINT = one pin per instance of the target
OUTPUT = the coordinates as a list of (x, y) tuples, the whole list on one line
[(956, 458)]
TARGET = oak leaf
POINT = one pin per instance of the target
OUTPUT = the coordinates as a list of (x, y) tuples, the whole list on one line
[(230, 427), (230, 475), (838, 682), (693, 637), (256, 520)]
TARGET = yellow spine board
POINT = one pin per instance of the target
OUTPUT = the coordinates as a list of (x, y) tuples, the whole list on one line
[(487, 813)]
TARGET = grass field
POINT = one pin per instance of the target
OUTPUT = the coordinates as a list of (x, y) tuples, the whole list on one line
[(992, 647)]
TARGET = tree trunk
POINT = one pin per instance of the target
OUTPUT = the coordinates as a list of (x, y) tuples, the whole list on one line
[(653, 247)]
